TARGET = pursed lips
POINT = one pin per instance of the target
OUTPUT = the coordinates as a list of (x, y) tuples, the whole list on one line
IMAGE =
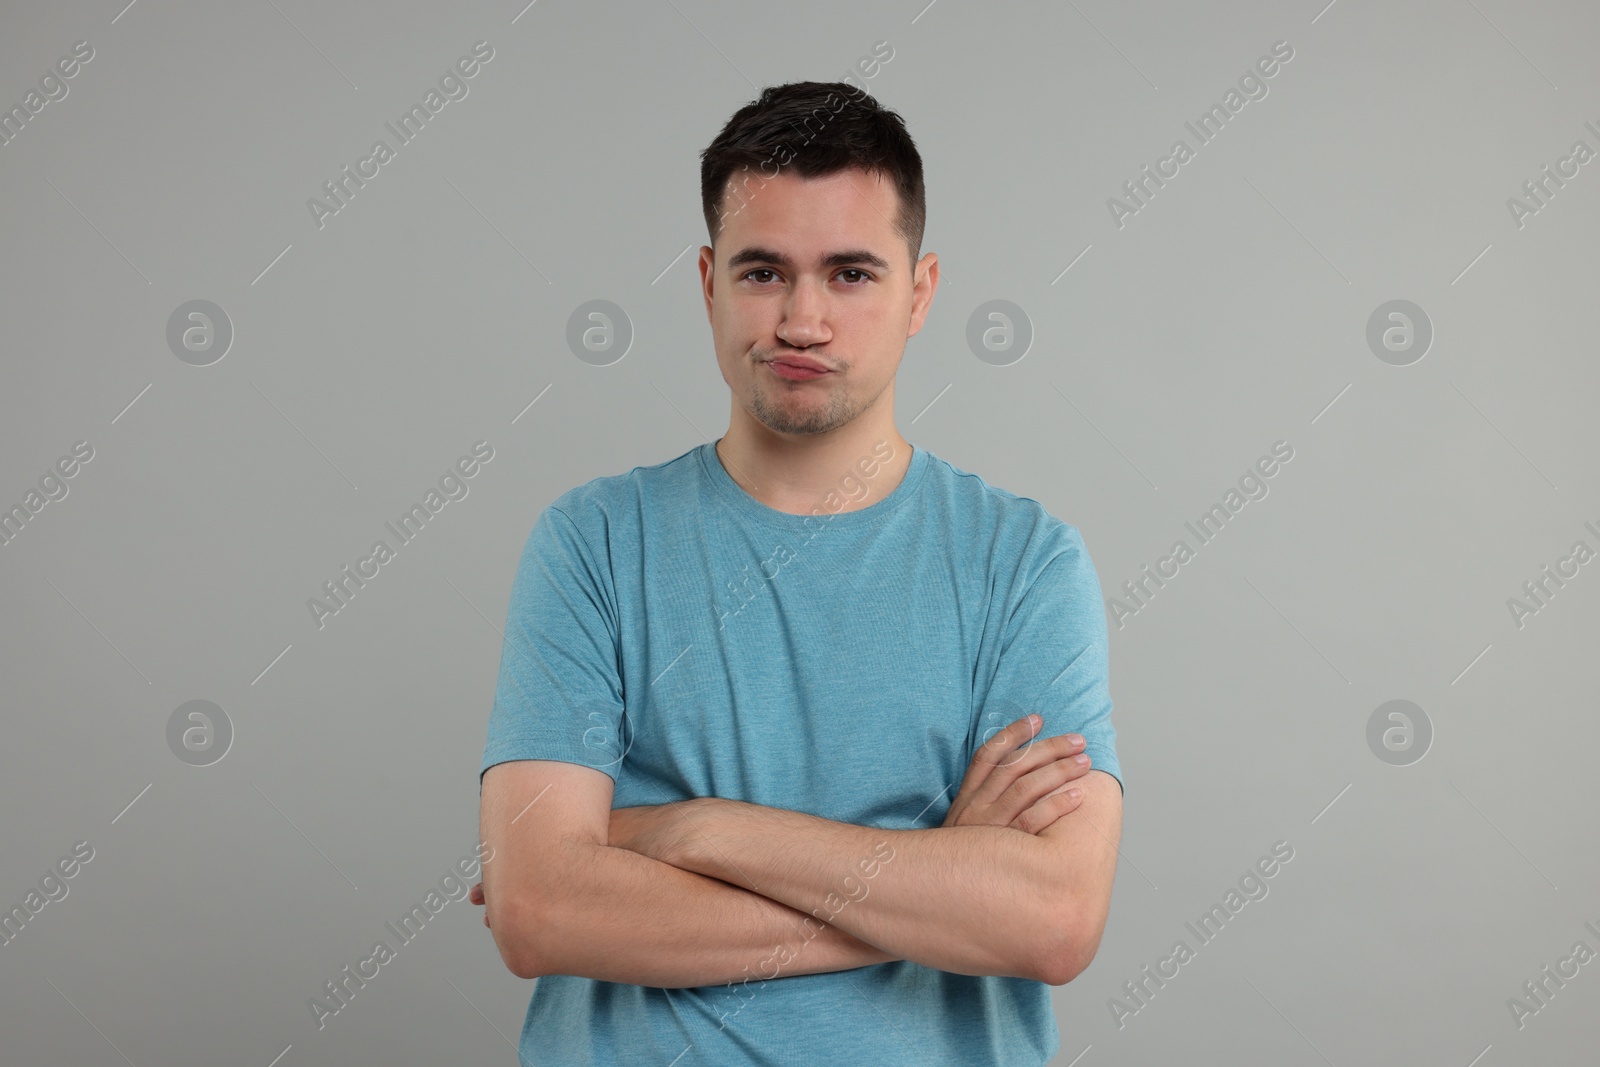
[(803, 362)]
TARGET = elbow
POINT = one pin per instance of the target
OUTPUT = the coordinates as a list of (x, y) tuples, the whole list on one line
[(519, 968), (1058, 968), (529, 913), (516, 933), (1068, 955), (520, 965)]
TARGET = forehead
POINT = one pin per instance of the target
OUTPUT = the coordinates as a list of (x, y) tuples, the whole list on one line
[(809, 218)]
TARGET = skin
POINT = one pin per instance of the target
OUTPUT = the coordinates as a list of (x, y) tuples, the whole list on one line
[(812, 267), (1012, 781), (788, 442)]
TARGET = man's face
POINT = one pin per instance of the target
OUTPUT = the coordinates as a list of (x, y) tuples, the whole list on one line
[(813, 268)]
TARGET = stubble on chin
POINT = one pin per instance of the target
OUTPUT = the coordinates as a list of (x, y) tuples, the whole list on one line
[(778, 414)]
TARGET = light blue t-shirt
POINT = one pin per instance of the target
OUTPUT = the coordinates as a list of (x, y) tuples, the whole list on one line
[(671, 630)]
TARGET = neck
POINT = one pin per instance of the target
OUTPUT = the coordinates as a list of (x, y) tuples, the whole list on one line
[(844, 470)]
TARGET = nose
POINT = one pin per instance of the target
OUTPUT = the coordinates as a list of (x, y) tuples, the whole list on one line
[(803, 315)]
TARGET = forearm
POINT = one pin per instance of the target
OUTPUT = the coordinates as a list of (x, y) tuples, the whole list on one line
[(974, 900), (682, 929)]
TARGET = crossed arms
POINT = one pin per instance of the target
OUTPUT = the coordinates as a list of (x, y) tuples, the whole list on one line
[(706, 891)]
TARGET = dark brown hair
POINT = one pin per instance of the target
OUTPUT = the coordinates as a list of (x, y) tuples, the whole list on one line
[(814, 129)]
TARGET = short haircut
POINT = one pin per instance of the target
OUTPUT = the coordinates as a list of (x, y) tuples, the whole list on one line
[(812, 130)]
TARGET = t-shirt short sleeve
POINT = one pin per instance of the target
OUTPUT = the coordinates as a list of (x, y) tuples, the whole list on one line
[(559, 691), (1054, 659)]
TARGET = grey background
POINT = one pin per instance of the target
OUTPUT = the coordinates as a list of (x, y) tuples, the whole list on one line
[(370, 354)]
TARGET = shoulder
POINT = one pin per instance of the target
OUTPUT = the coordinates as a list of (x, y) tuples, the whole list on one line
[(1015, 529), (603, 507)]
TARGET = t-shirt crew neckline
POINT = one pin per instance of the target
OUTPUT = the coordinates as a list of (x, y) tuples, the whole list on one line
[(748, 507)]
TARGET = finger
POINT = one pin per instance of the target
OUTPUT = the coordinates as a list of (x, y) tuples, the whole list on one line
[(986, 759), (993, 751), (1023, 793), (1023, 749), (1040, 783), (1052, 807), (1008, 786), (998, 749), (997, 765)]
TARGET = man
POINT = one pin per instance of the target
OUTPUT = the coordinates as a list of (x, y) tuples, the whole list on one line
[(738, 686)]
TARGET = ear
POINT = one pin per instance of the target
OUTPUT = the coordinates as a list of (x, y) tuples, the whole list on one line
[(924, 281), (708, 268)]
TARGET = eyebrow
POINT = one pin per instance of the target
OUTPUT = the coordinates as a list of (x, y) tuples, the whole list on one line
[(845, 258)]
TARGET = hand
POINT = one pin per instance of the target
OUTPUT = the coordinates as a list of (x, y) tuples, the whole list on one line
[(1026, 791), (653, 830)]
